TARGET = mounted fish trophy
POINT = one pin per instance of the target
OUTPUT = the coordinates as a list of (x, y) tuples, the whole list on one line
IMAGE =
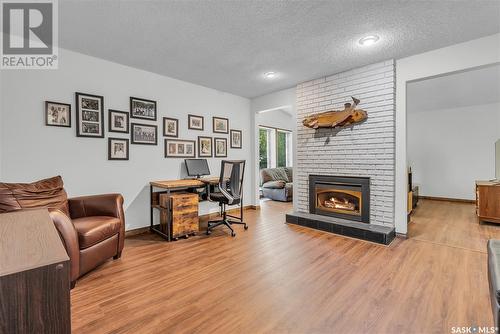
[(336, 118)]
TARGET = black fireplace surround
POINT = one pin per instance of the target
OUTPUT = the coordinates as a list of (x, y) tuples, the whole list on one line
[(341, 183)]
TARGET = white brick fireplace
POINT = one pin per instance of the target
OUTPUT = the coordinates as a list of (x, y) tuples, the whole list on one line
[(363, 150)]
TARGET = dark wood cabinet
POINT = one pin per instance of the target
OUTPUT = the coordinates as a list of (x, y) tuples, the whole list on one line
[(488, 201), (34, 275)]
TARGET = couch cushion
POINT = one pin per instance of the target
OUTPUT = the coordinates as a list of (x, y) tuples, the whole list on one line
[(48, 193), (92, 230), (273, 174), (494, 267), (274, 184)]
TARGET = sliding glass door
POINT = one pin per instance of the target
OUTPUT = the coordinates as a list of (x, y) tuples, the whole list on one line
[(275, 147)]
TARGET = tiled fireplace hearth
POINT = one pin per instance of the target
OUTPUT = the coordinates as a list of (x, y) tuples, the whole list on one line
[(361, 152)]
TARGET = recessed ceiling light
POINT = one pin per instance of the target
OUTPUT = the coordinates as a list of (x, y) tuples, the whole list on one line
[(369, 40), (270, 75)]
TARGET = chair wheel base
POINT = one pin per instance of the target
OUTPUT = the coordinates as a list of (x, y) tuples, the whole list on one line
[(246, 227), (233, 234)]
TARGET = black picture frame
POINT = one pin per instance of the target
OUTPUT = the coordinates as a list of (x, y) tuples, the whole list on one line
[(214, 119), (66, 105), (110, 140), (165, 134), (134, 115), (190, 117), (133, 139), (170, 154), (205, 155), (215, 147), (81, 110), (232, 144), (111, 123)]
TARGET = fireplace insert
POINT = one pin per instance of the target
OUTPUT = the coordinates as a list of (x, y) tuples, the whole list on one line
[(340, 196)]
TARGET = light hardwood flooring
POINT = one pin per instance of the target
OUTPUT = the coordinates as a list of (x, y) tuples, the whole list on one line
[(279, 278)]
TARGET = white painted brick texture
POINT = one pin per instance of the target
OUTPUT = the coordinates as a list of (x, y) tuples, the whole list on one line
[(365, 149)]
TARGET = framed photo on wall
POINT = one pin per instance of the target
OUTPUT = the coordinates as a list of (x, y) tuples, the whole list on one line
[(118, 149), (220, 125), (170, 127), (89, 115), (235, 137), (118, 121), (142, 108), (144, 134), (177, 148), (205, 147), (195, 122), (57, 114), (220, 145)]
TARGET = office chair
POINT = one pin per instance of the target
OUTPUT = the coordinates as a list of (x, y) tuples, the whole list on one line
[(230, 186)]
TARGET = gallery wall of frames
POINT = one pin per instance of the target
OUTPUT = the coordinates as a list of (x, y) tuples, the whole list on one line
[(139, 126)]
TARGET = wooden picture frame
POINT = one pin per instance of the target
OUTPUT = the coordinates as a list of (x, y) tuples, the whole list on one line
[(139, 135), (60, 114), (235, 138), (89, 115), (205, 147), (143, 109), (220, 147), (170, 127), (113, 148), (118, 121), (192, 119), (220, 125), (173, 148)]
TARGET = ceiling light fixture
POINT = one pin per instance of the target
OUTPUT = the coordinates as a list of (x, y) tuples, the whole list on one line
[(270, 75), (369, 40)]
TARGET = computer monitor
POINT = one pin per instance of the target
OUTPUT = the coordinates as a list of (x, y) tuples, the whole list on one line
[(197, 167)]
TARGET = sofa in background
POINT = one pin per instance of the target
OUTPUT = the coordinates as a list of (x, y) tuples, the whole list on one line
[(494, 278), (277, 183), (92, 228)]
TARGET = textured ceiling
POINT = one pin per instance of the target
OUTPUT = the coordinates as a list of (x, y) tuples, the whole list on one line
[(469, 88), (228, 45)]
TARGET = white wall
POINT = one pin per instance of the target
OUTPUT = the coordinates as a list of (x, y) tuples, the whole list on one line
[(475, 53), (33, 151), (449, 149), (276, 119)]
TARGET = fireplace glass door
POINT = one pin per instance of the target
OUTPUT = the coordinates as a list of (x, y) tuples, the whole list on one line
[(345, 197), (343, 201)]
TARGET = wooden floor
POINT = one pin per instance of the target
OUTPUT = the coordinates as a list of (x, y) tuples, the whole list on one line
[(278, 278)]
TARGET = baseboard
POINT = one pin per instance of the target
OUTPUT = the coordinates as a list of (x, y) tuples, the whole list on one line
[(136, 231), (203, 218), (447, 199)]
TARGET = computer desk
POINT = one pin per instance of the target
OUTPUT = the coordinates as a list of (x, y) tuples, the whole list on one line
[(169, 186)]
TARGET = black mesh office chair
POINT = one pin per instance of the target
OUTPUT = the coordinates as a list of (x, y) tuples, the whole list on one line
[(230, 186)]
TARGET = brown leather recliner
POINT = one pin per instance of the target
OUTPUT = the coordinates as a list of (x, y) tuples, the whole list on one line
[(92, 228)]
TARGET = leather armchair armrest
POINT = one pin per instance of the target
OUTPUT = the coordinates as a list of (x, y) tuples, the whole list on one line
[(97, 205), (69, 237)]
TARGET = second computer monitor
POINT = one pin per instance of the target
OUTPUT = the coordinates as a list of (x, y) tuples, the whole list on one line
[(197, 167)]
